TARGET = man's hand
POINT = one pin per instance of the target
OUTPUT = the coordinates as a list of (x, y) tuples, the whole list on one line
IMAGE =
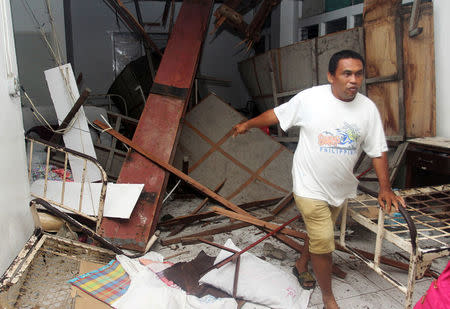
[(240, 128), (387, 199)]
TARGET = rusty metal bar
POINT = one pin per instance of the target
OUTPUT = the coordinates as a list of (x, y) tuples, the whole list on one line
[(235, 255)]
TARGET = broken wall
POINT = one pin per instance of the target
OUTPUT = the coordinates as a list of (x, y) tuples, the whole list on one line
[(295, 67)]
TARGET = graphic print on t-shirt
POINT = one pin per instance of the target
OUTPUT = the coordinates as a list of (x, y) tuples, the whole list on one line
[(341, 140)]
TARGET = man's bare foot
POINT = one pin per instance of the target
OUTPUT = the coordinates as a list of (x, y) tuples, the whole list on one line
[(330, 304)]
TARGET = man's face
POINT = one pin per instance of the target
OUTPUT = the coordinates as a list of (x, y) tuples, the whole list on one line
[(347, 79)]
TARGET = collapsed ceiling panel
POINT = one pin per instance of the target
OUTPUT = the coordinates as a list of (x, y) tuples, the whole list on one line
[(255, 165)]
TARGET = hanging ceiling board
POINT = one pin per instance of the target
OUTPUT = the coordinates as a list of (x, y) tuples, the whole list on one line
[(254, 165), (159, 125), (419, 75), (119, 202), (64, 92)]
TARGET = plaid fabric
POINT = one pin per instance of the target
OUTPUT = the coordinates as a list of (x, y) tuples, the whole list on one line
[(107, 283)]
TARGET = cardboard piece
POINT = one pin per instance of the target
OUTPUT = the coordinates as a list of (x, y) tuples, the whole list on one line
[(82, 299)]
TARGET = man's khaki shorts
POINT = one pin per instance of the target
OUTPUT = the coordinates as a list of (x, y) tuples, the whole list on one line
[(319, 218)]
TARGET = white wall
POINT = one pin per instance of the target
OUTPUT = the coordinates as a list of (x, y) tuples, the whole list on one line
[(441, 12), (16, 224)]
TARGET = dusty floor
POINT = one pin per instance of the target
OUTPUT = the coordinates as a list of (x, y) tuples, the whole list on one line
[(47, 287), (362, 288)]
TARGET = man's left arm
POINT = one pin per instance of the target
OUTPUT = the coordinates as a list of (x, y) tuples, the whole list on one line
[(386, 197)]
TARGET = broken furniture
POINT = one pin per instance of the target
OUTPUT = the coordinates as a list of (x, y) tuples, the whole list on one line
[(427, 162), (425, 237), (54, 258), (59, 155), (159, 126)]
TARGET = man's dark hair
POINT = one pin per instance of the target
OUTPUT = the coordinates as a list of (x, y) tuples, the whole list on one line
[(343, 54)]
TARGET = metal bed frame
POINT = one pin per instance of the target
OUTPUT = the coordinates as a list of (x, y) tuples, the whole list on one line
[(59, 155), (422, 230)]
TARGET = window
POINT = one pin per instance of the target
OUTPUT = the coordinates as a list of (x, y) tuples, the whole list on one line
[(309, 32), (336, 25)]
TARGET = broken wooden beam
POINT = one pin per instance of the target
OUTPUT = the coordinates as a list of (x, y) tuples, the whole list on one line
[(258, 222), (133, 24), (68, 119), (217, 230), (197, 209), (208, 214), (159, 126)]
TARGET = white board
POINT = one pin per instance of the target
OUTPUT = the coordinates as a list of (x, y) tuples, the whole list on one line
[(119, 203), (64, 92)]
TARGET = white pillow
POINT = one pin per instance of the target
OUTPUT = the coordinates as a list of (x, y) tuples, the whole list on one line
[(259, 282)]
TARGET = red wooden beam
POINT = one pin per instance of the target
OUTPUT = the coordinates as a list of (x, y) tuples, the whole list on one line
[(159, 126)]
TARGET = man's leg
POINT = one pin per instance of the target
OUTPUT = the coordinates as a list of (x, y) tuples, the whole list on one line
[(319, 219), (322, 266)]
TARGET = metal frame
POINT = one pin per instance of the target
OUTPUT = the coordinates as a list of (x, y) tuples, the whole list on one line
[(65, 152), (15, 282), (428, 209)]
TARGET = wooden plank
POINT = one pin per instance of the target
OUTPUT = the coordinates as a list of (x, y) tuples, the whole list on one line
[(159, 125), (383, 59), (419, 75), (221, 229), (208, 214), (385, 96), (257, 222)]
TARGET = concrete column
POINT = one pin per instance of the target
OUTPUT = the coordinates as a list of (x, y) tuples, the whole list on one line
[(289, 14), (441, 11)]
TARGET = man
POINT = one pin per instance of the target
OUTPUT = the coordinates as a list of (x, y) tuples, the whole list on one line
[(336, 124)]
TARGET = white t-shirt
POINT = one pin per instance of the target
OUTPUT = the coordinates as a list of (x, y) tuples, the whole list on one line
[(332, 135)]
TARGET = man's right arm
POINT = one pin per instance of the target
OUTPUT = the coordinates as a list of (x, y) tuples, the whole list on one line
[(266, 119)]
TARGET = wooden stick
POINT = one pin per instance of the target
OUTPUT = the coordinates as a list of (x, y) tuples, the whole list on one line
[(209, 214), (217, 230), (75, 108), (258, 222), (197, 209)]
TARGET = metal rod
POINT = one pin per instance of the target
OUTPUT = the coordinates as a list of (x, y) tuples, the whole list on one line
[(225, 261)]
